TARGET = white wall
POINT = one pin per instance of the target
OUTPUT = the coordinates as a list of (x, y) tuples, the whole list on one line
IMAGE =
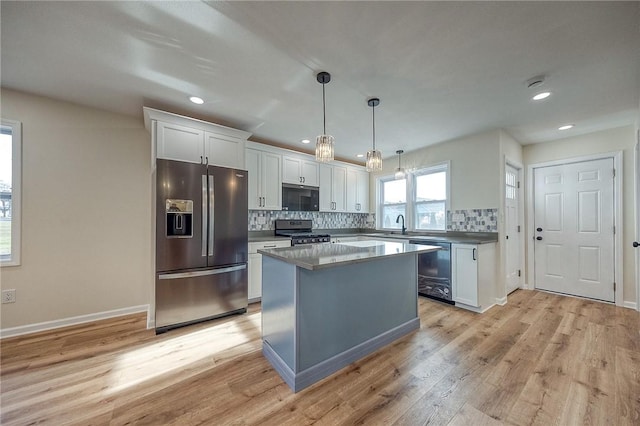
[(474, 173), (86, 207), (619, 139)]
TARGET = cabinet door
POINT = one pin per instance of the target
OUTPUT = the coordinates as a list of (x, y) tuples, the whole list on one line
[(326, 183), (271, 181), (224, 151), (175, 142), (291, 170), (339, 189), (252, 164), (352, 190), (255, 276), (465, 274), (362, 191), (309, 171)]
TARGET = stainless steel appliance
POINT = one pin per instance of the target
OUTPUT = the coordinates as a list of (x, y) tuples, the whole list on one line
[(434, 271), (201, 243), (300, 198), (300, 232)]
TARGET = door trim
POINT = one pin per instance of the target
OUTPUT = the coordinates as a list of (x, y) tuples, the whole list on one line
[(503, 256), (637, 209), (617, 216)]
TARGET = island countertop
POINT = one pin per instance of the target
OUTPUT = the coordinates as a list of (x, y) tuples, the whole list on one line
[(319, 256)]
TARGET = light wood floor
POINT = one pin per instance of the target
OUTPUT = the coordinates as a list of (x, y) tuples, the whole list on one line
[(541, 359)]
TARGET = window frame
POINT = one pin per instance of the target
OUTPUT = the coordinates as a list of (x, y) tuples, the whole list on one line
[(16, 193), (411, 203), (380, 204), (432, 169)]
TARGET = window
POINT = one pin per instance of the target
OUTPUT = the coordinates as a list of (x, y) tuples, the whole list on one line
[(10, 173), (431, 199), (511, 185), (394, 202), (422, 198)]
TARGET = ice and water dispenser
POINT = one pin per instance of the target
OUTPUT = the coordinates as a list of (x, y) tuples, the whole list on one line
[(179, 218)]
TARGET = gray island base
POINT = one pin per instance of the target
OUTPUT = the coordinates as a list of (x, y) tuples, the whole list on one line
[(325, 306)]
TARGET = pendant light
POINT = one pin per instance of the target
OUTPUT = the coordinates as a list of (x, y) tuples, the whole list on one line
[(374, 158), (400, 172), (324, 142)]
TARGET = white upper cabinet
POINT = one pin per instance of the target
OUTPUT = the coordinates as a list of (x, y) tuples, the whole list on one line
[(175, 142), (265, 180), (357, 190), (223, 150), (175, 137), (299, 171), (333, 188)]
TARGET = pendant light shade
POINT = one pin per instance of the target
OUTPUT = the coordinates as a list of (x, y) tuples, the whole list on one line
[(324, 142), (374, 158), (400, 172)]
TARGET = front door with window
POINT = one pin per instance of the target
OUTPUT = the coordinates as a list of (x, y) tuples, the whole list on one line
[(512, 228), (573, 229)]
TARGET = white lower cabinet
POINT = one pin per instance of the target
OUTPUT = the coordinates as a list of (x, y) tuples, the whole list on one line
[(254, 268), (473, 275)]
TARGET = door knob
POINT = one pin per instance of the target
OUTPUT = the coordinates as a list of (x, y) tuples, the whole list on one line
[(539, 238), (636, 244), (539, 229)]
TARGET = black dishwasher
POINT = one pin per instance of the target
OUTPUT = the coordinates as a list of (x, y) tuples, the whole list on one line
[(434, 271)]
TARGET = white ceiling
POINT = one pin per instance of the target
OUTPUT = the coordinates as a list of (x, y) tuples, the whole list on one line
[(441, 69)]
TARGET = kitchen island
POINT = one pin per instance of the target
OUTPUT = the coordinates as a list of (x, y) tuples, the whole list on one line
[(327, 305)]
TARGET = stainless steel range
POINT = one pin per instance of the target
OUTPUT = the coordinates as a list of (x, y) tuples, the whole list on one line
[(300, 232)]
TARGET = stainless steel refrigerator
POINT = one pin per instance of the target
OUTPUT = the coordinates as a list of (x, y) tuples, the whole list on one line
[(201, 243)]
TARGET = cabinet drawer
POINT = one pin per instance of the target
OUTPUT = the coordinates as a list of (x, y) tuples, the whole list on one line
[(254, 247)]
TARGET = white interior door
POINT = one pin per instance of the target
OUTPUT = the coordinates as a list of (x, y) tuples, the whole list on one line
[(512, 228), (573, 229)]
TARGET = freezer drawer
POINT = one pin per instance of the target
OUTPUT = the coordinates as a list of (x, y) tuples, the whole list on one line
[(198, 295)]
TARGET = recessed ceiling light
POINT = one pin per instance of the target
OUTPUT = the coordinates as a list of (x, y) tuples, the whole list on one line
[(360, 155), (565, 127), (196, 100), (305, 141), (541, 95)]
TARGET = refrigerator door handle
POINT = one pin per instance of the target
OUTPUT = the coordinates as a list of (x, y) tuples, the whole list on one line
[(211, 215), (204, 215), (202, 273)]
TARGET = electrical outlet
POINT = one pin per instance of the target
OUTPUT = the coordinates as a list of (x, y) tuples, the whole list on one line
[(9, 296)]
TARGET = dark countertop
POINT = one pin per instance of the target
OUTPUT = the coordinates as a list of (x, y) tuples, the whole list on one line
[(449, 237)]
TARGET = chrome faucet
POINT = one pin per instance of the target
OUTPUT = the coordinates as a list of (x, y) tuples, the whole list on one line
[(404, 230)]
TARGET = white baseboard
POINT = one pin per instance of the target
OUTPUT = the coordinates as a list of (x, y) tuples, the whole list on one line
[(630, 305), (501, 301), (65, 322)]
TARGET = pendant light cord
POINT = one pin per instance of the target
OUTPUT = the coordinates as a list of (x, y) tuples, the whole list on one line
[(324, 113), (373, 109)]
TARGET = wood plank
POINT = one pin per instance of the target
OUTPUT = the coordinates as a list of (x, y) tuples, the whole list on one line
[(540, 359)]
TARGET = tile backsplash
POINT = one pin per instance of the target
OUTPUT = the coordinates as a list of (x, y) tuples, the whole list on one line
[(473, 220), (263, 220)]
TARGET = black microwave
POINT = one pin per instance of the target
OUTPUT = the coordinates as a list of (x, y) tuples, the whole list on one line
[(300, 198)]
